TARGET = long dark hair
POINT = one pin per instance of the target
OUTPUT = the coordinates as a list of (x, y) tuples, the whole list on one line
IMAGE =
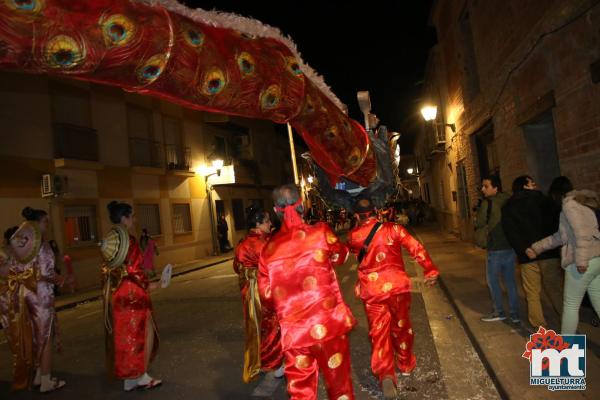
[(560, 186), (9, 232), (31, 214), (117, 210), (255, 215)]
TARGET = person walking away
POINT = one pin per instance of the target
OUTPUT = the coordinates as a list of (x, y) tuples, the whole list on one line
[(296, 273), (384, 287), (527, 217), (500, 255), (579, 239)]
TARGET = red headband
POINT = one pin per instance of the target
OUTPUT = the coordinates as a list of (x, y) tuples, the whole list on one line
[(290, 215)]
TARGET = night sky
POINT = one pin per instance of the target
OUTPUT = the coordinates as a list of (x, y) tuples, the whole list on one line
[(377, 45)]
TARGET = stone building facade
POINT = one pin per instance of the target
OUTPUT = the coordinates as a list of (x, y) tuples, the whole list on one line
[(520, 81)]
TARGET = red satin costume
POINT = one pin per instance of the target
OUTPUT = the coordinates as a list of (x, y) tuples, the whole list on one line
[(296, 274), (132, 311), (384, 287), (245, 265)]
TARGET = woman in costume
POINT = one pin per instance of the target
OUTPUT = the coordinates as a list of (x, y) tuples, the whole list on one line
[(132, 337), (263, 341), (31, 314)]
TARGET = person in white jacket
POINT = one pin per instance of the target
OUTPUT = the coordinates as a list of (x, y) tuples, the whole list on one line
[(579, 237)]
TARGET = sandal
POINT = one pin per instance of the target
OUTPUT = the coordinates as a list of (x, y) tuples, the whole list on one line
[(150, 385), (56, 385)]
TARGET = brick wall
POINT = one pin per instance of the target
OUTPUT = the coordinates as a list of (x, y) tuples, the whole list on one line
[(529, 57)]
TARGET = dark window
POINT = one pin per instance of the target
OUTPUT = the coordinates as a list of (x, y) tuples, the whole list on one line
[(182, 221), (486, 151), (239, 218), (148, 216)]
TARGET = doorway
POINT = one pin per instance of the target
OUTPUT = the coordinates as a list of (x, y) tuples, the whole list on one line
[(542, 155)]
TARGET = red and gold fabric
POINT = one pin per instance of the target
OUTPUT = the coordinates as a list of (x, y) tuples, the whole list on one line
[(263, 341), (296, 273), (391, 336), (332, 357), (194, 58), (384, 287), (381, 273), (131, 310)]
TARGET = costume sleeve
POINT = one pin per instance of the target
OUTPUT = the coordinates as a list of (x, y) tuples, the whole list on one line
[(46, 263), (353, 244), (339, 251), (264, 282), (237, 264), (416, 250)]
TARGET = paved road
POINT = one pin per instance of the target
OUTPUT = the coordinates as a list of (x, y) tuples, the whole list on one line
[(200, 322)]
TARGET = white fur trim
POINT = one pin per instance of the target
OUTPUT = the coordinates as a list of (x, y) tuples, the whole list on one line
[(252, 27)]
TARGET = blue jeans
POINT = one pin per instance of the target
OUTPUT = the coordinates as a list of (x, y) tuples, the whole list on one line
[(502, 262), (576, 285)]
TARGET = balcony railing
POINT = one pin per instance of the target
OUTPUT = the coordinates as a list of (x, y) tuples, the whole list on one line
[(145, 153), (75, 142), (178, 157)]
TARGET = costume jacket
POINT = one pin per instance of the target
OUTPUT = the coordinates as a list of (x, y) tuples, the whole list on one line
[(381, 273), (263, 340), (296, 274)]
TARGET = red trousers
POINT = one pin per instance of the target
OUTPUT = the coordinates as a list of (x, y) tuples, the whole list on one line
[(391, 336), (270, 340), (302, 370)]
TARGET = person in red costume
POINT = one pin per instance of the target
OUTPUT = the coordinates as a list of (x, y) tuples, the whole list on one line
[(296, 273), (135, 336), (384, 287), (263, 339)]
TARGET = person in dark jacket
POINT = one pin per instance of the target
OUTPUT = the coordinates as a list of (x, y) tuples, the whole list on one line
[(527, 217), (500, 256)]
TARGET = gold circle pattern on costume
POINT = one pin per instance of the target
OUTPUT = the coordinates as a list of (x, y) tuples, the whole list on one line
[(380, 256), (302, 361), (331, 238), (320, 255), (403, 345), (279, 292), (300, 235), (343, 397), (348, 320), (387, 287), (335, 257), (335, 360), (400, 323), (309, 283), (318, 331), (328, 303), (410, 331), (373, 276)]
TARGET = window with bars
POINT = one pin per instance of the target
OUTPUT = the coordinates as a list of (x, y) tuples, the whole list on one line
[(148, 217), (80, 225), (182, 220)]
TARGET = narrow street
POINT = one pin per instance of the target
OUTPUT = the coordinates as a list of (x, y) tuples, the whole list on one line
[(200, 357)]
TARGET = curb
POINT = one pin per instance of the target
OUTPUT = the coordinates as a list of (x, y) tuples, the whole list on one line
[(94, 297)]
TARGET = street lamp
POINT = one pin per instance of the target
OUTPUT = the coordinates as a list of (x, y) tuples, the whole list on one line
[(217, 165), (410, 171), (429, 113), (310, 179)]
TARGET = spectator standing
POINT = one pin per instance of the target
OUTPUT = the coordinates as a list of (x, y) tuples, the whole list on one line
[(527, 217), (500, 256)]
